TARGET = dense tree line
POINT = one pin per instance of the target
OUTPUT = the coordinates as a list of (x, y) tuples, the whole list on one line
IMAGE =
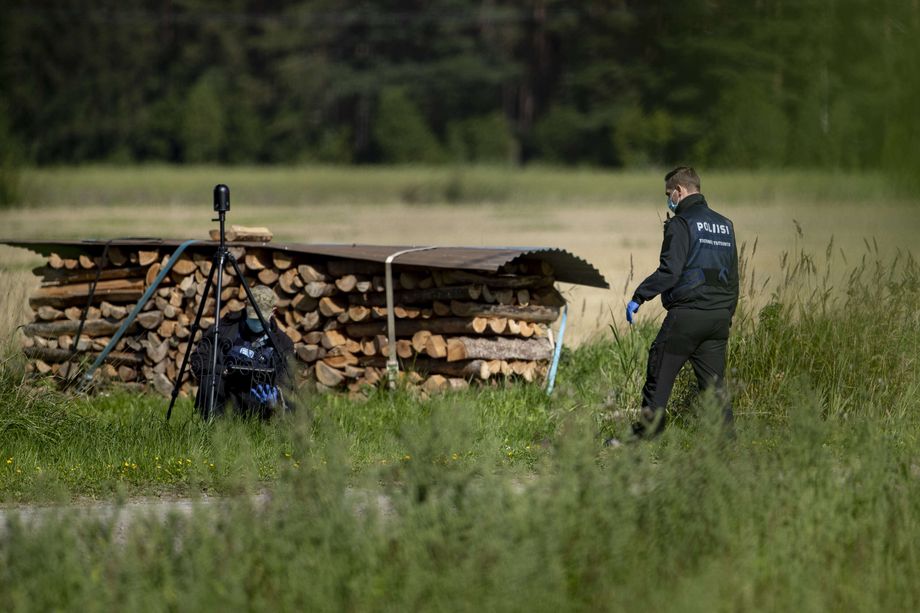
[(750, 83)]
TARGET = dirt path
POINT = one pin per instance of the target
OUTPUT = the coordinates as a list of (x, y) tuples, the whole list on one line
[(123, 515)]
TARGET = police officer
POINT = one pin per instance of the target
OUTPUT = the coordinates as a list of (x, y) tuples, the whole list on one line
[(697, 279), (252, 374)]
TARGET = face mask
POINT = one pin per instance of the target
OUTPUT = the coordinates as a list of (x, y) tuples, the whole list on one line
[(254, 324), (672, 205)]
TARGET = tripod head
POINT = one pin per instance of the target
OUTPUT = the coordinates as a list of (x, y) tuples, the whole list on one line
[(221, 198)]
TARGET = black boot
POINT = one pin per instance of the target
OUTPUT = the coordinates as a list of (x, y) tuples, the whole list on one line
[(651, 422)]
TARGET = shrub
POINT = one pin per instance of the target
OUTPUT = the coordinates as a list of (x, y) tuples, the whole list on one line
[(487, 138), (10, 180), (641, 139), (204, 122), (750, 130), (559, 136), (401, 132)]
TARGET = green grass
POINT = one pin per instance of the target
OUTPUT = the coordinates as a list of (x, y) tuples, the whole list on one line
[(853, 353), (377, 185), (503, 498)]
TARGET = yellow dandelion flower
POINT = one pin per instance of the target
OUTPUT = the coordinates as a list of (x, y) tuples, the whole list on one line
[(9, 460)]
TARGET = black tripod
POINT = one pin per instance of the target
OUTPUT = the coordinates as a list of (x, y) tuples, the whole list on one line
[(221, 257)]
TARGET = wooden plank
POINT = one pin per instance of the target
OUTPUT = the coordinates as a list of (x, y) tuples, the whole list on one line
[(60, 355), (330, 307), (327, 375), (51, 275), (332, 338), (310, 273), (47, 313), (436, 346), (346, 283), (467, 369), (498, 348), (151, 274), (418, 296), (268, 276), (358, 313), (408, 327), (307, 353), (257, 260), (146, 258), (288, 281), (419, 339), (320, 289), (282, 260), (55, 329), (184, 266), (256, 234)]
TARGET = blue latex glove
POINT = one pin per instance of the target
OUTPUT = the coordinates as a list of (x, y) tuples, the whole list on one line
[(264, 394), (631, 310)]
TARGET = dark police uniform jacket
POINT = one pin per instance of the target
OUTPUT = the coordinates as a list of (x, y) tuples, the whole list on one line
[(698, 267), (238, 345)]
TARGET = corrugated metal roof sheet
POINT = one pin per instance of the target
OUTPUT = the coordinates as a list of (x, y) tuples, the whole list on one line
[(568, 267)]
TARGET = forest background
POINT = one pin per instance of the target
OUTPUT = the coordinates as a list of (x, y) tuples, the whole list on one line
[(828, 84)]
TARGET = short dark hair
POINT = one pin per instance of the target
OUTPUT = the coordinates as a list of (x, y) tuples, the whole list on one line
[(684, 176)]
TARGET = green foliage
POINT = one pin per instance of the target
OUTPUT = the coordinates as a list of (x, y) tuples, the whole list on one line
[(560, 135), (752, 130), (10, 174), (482, 139), (828, 84), (642, 140), (812, 516), (401, 132), (204, 125)]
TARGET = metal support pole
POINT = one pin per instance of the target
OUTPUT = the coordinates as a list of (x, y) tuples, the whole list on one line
[(392, 363), (551, 379)]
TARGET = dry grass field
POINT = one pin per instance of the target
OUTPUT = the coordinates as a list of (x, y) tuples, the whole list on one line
[(613, 220)]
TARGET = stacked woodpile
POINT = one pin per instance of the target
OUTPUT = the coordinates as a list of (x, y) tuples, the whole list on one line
[(453, 327)]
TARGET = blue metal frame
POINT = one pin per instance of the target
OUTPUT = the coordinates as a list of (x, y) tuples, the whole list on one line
[(551, 379), (137, 309)]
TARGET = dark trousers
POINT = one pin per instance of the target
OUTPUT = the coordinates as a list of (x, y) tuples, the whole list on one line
[(699, 336)]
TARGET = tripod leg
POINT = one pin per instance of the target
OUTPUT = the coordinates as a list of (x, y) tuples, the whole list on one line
[(191, 342), (219, 260)]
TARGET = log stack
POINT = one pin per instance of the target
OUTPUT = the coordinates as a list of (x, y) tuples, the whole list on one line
[(453, 327)]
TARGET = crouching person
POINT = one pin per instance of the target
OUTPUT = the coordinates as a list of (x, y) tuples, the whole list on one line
[(252, 371)]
